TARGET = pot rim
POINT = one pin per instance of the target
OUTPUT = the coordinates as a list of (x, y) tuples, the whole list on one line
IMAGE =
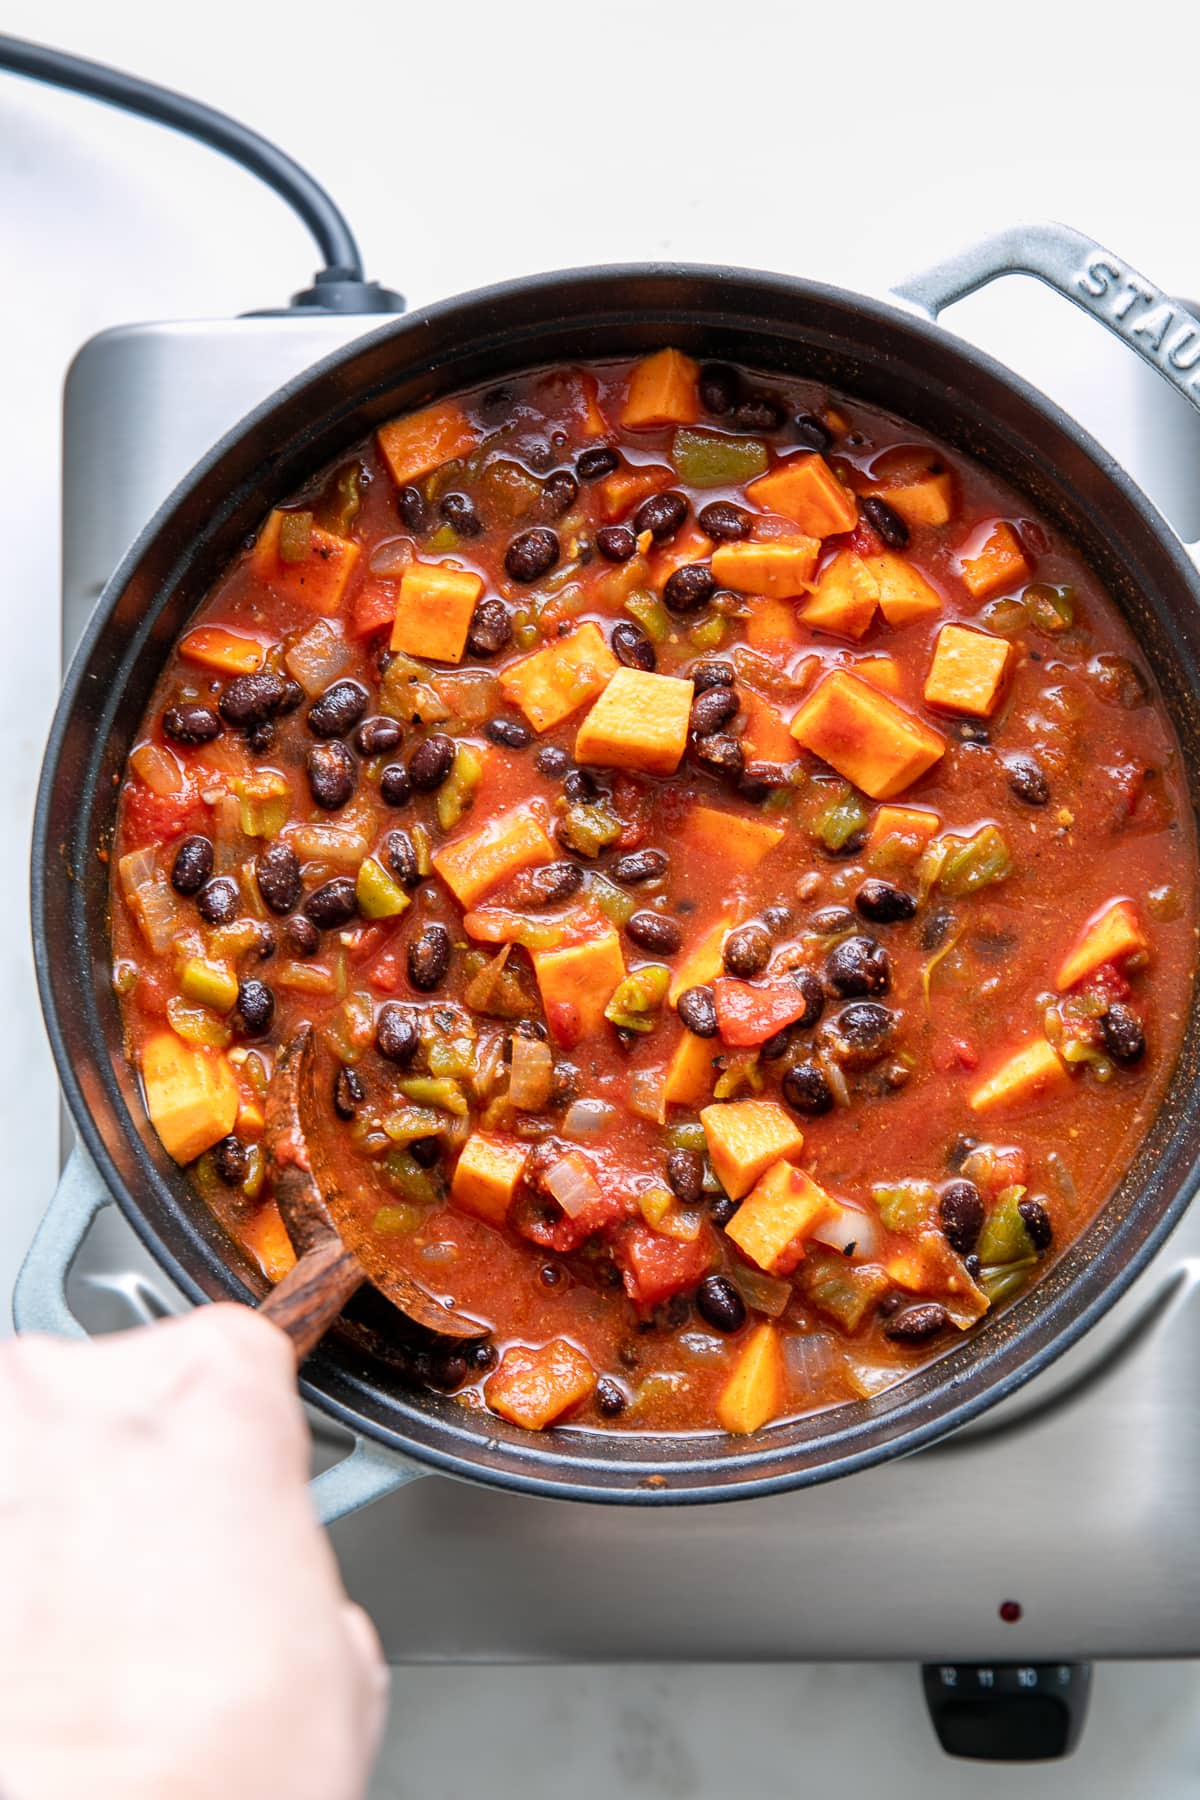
[(594, 1476)]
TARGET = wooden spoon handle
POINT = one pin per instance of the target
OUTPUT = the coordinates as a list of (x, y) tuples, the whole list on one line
[(313, 1293)]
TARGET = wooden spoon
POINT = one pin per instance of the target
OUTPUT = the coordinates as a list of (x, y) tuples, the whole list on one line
[(302, 1168)]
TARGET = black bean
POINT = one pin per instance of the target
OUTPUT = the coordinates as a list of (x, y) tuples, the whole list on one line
[(655, 931), (481, 1357), (777, 1045), (429, 958), (712, 674), (611, 1398), (460, 514), (426, 1152), (1118, 681), (698, 1010), (777, 919), (591, 464), (555, 882), (721, 753), (882, 903), (936, 928), (806, 1089), (396, 1035), (1027, 780), (721, 1209), (960, 1210), (278, 875), (249, 699), (413, 511), (508, 732), (917, 1324), (712, 709), (190, 723), (338, 710), (661, 515), (616, 543), (301, 936), (885, 520), (552, 761), (958, 1152), (401, 857), (332, 904), (259, 738), (809, 984), (293, 695), (532, 553), (579, 787), (747, 951), (719, 388), (1036, 1221), (861, 1033), (970, 731), (192, 866), (332, 773), (722, 520), (829, 920), (255, 1005), (1123, 1035), (719, 1304), (496, 404), (685, 1172), (430, 763), (349, 1092), (759, 413), (759, 780), (560, 492), (687, 589), (640, 865), (491, 628), (230, 1160), (395, 789), (375, 737), (812, 432), (218, 901), (632, 647), (858, 965)]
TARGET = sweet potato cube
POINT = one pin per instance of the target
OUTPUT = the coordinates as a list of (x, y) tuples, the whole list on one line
[(482, 859), (1111, 935), (904, 593), (551, 684), (1001, 564), (779, 569), (690, 1072), (223, 651), (844, 599), (805, 488), (729, 836), (626, 488), (664, 389), (773, 626), (640, 721), (433, 612), (883, 672), (745, 1137), (191, 1094), (319, 580), (912, 826), (929, 501), (265, 1237), (576, 984), (534, 1387), (701, 962), (486, 1176), (1028, 1074), (865, 736), (754, 1392), (766, 737), (967, 672), (416, 445), (781, 1207)]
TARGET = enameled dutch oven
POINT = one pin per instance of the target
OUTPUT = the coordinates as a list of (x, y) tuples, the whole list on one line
[(893, 356)]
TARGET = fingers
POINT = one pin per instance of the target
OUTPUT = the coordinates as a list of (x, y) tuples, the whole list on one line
[(374, 1677)]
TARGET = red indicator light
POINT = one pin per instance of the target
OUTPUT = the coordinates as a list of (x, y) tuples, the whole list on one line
[(1010, 1611)]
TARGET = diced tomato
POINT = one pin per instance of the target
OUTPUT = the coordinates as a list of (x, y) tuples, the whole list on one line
[(385, 974), (566, 1026), (749, 1015), (632, 804), (374, 607), (1107, 983), (654, 1267), (152, 818), (954, 1053)]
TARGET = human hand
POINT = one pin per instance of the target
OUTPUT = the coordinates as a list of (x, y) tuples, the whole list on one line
[(172, 1622)]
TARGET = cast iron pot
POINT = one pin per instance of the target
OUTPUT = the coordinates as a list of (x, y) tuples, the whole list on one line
[(891, 356)]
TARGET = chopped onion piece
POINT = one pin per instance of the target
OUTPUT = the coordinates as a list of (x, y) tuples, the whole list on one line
[(158, 769), (587, 1119), (392, 557), (850, 1231), (317, 657), (532, 1074), (811, 1356), (573, 1185)]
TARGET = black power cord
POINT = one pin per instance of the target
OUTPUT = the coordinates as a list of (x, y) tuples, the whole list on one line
[(341, 285)]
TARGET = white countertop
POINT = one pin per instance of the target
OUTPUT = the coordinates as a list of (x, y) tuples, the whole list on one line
[(474, 143)]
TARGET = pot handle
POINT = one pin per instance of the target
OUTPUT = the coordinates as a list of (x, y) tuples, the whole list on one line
[(1161, 330), (40, 1304)]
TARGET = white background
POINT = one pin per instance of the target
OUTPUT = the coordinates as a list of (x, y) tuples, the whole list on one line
[(470, 143)]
